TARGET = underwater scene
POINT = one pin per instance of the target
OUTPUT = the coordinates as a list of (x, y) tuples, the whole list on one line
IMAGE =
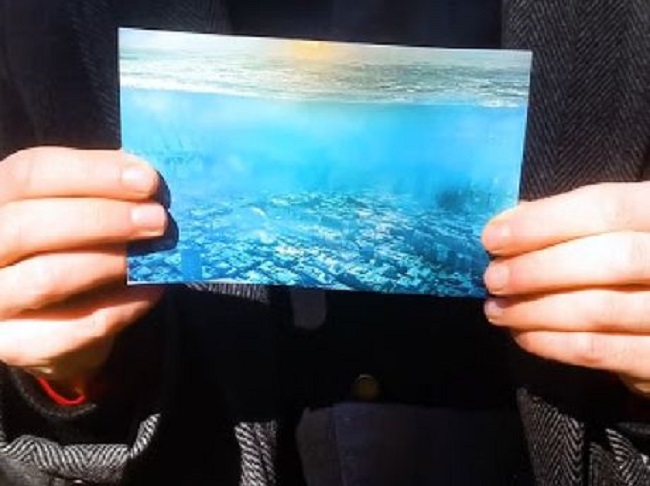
[(323, 165)]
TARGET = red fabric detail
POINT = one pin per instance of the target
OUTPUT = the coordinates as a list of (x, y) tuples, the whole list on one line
[(58, 398)]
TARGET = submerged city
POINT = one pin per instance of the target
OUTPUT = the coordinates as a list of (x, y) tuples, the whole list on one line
[(323, 165)]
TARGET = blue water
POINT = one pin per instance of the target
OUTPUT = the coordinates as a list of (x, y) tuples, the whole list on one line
[(383, 197)]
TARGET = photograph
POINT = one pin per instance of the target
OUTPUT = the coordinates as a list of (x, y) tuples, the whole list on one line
[(318, 164)]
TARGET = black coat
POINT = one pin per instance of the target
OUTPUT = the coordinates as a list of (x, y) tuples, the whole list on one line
[(588, 123)]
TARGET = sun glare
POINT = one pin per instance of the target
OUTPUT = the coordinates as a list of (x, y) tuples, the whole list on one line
[(313, 50)]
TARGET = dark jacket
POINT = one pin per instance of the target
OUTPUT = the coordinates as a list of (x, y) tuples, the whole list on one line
[(588, 123)]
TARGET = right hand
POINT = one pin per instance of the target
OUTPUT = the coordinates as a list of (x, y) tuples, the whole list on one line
[(65, 219)]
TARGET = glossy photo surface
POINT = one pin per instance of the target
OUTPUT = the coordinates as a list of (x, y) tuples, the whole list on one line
[(323, 165)]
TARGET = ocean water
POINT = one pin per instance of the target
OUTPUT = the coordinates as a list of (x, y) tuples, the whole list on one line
[(368, 168), (365, 196)]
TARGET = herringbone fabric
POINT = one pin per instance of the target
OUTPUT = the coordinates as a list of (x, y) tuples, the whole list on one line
[(589, 122), (257, 445), (631, 466), (99, 463), (103, 464), (590, 101), (555, 442)]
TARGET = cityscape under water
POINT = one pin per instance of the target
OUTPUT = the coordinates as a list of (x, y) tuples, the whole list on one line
[(347, 191)]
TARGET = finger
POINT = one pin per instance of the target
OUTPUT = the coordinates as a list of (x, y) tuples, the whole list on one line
[(594, 310), (49, 278), (603, 260), (636, 385), (61, 172), (34, 340), (586, 211), (620, 353), (33, 226)]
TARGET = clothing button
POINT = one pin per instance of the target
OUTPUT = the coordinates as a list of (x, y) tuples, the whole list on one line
[(366, 388)]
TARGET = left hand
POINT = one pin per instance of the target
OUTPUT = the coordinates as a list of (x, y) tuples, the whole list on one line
[(571, 278)]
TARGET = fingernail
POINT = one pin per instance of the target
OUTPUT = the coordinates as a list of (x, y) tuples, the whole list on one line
[(496, 235), (494, 308), (150, 219), (139, 178), (497, 232), (496, 277)]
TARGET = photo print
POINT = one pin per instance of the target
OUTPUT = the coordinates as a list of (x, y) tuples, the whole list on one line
[(321, 164)]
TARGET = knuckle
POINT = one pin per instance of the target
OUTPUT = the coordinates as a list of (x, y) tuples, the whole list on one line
[(604, 309), (112, 219), (21, 168), (632, 257), (101, 321), (17, 156), (589, 349), (95, 214), (42, 284), (617, 213), (10, 233), (104, 220)]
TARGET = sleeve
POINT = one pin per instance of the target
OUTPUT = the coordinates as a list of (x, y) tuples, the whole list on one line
[(15, 129), (632, 431)]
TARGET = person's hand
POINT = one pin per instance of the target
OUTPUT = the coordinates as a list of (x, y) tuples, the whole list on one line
[(65, 219), (571, 278)]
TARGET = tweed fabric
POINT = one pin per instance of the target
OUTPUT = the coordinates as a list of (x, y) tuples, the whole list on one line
[(588, 123), (102, 464), (556, 455), (590, 100), (630, 467), (257, 443), (98, 463)]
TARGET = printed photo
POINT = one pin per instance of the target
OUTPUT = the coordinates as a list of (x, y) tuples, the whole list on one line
[(323, 165)]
